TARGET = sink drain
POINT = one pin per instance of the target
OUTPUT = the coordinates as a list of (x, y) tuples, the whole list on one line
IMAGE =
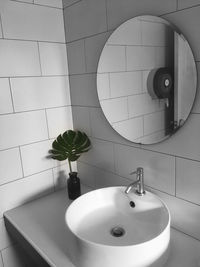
[(117, 231)]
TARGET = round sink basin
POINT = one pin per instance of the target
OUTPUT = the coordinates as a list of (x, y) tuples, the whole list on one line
[(114, 229)]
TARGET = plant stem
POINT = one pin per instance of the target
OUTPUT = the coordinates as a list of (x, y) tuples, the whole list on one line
[(70, 166)]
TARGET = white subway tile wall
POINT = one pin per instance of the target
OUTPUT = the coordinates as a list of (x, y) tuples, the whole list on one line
[(86, 11), (93, 48), (59, 119), (35, 157), (164, 163), (5, 99), (34, 93), (81, 115), (113, 59), (130, 128), (10, 165), (35, 105), (53, 59), (84, 93), (76, 57), (22, 128), (32, 22), (19, 58), (119, 109)]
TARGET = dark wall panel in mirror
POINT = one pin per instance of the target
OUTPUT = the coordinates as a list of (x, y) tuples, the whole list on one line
[(146, 79)]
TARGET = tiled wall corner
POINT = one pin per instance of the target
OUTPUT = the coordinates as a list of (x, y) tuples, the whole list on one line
[(91, 16), (35, 105), (112, 157)]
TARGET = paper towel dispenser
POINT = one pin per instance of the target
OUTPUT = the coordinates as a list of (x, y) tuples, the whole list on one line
[(160, 83)]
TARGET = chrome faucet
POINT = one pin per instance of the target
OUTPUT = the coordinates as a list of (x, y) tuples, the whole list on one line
[(139, 183)]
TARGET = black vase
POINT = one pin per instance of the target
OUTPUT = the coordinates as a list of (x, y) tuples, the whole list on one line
[(73, 186)]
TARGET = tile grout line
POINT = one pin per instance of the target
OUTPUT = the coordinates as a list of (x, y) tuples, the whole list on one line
[(179, 10), (47, 124), (90, 121), (181, 231), (141, 148), (20, 155), (2, 257), (89, 36), (109, 85), (32, 143), (65, 31), (126, 59), (71, 4), (26, 177), (138, 116), (32, 40), (36, 76), (33, 110), (11, 94), (36, 4), (1, 25), (114, 160), (85, 59), (10, 245), (175, 185), (39, 55), (113, 72)]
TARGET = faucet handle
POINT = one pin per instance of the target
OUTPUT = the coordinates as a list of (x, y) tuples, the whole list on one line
[(139, 170), (135, 172)]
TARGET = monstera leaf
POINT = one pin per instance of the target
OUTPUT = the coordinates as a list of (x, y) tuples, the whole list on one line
[(70, 145)]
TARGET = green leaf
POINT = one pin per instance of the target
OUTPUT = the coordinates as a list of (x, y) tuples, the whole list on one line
[(61, 141), (59, 157), (78, 137), (87, 144), (71, 144), (71, 136), (73, 157), (67, 138), (55, 152)]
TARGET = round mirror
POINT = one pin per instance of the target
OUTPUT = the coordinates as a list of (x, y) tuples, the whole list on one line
[(146, 79)]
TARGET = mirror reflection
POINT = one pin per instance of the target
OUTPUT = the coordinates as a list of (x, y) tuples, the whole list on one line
[(146, 80)]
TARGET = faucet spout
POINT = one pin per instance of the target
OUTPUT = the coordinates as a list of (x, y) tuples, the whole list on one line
[(129, 187), (139, 183)]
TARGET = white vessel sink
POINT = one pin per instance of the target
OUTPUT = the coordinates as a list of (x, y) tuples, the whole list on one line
[(114, 229)]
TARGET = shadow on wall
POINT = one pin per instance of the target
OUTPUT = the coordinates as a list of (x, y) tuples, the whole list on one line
[(61, 180)]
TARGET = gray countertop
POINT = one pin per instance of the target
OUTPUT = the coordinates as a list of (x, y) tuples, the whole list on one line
[(42, 224)]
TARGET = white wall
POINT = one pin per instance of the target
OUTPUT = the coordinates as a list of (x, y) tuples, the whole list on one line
[(172, 167), (34, 105)]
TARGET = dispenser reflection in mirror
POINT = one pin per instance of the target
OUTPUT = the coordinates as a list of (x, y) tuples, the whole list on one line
[(146, 79)]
